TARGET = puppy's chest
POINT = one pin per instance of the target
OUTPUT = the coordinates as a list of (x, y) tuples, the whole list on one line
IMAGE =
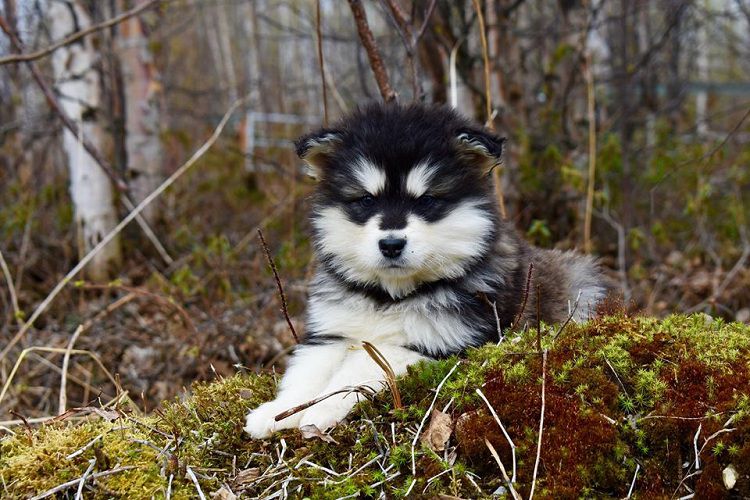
[(417, 324)]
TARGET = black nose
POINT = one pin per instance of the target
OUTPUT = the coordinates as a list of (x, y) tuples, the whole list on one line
[(391, 247)]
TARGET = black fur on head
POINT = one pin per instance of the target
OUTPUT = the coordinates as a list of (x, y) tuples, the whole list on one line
[(391, 134)]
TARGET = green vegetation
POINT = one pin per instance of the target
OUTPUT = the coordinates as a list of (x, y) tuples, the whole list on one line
[(621, 393)]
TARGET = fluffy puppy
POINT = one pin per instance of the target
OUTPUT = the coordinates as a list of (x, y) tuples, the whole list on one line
[(412, 257)]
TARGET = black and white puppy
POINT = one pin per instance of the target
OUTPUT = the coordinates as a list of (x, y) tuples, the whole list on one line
[(412, 257)]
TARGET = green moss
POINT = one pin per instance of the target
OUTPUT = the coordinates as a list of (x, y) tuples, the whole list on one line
[(621, 392)]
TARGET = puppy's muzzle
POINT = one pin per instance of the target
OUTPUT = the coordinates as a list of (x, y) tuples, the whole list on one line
[(391, 247)]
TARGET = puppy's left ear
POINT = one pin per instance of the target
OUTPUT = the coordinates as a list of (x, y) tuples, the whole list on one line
[(316, 148), (480, 147)]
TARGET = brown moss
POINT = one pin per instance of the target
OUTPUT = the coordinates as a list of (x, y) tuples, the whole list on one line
[(620, 391)]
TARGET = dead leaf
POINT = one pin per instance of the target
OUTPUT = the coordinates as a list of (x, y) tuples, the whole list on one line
[(246, 476), (108, 415), (223, 493), (312, 431), (438, 431)]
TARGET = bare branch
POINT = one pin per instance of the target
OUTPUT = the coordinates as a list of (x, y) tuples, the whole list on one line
[(371, 47), (321, 61), (541, 425), (282, 296), (33, 56)]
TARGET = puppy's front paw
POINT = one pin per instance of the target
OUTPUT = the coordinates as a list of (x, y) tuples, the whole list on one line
[(326, 414), (260, 422)]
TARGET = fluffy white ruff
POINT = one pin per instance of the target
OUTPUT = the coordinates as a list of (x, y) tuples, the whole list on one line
[(319, 370), (433, 251)]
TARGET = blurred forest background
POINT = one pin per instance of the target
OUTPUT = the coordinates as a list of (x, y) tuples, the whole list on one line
[(102, 100)]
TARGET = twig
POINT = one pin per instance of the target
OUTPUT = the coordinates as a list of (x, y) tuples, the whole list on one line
[(541, 425), (59, 351), (591, 107), (321, 61), (79, 493), (486, 63), (63, 399), (194, 479), (525, 294), (32, 56), (12, 290), (570, 316), (373, 54), (695, 446), (85, 447), (513, 491), (502, 428), (362, 389), (426, 415), (114, 232), (67, 485), (282, 296), (632, 484), (488, 101), (390, 376)]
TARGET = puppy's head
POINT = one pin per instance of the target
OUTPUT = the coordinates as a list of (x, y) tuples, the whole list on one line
[(405, 195)]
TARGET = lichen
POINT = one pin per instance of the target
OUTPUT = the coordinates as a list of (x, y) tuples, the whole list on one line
[(621, 393)]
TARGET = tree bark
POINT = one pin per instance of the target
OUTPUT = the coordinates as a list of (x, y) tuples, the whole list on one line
[(143, 94), (80, 88)]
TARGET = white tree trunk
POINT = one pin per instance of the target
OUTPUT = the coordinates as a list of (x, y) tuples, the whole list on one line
[(142, 89), (80, 92), (701, 98)]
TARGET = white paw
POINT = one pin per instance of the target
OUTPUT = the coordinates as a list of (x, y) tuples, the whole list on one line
[(326, 414), (260, 422)]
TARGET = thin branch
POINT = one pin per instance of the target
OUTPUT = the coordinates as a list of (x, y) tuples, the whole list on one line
[(194, 479), (371, 47), (632, 484), (502, 428), (282, 296), (488, 102), (79, 492), (570, 316), (16, 58), (529, 273), (486, 63), (17, 314), (541, 425), (65, 486), (63, 398), (321, 61), (127, 220), (362, 389), (493, 451)]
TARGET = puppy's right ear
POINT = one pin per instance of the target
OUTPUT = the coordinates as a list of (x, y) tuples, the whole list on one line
[(316, 148)]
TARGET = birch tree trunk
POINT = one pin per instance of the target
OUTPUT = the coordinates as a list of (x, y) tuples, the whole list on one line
[(80, 94), (143, 94)]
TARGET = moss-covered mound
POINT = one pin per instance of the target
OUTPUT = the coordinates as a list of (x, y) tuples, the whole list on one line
[(655, 408)]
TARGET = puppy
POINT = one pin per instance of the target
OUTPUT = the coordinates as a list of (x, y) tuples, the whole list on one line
[(412, 256)]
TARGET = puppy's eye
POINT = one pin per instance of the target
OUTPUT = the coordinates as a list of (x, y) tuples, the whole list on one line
[(366, 201), (426, 200)]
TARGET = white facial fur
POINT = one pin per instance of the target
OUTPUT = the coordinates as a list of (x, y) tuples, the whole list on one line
[(371, 177), (418, 180), (433, 251)]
